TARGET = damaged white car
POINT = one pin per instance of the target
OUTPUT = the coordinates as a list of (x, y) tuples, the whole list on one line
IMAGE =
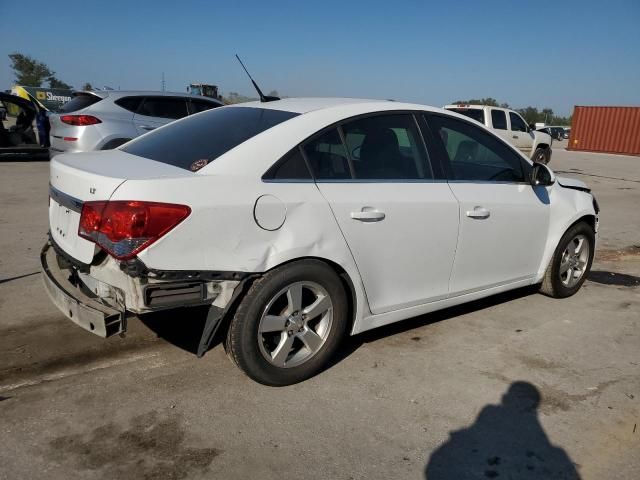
[(300, 221)]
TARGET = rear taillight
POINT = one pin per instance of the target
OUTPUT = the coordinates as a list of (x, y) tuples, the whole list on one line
[(80, 120), (124, 228)]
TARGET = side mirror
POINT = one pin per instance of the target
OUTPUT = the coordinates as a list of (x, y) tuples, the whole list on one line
[(541, 175), (532, 126)]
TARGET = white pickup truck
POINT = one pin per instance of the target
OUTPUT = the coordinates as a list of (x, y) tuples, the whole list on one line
[(510, 126)]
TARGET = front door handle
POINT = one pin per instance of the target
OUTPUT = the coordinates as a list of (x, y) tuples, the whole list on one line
[(146, 127), (478, 212), (368, 215), (515, 136)]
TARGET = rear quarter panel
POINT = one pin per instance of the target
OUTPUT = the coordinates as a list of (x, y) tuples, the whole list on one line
[(222, 233)]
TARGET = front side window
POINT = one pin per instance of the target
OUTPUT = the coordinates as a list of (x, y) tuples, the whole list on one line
[(164, 107), (203, 138), (474, 154), (499, 119), (386, 147), (517, 124)]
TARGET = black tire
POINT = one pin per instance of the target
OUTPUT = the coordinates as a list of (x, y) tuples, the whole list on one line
[(243, 343), (552, 284)]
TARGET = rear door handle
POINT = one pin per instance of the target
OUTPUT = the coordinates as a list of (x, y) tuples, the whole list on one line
[(478, 212), (146, 127), (366, 215)]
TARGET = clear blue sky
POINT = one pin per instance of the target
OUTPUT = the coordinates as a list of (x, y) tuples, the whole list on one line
[(543, 53)]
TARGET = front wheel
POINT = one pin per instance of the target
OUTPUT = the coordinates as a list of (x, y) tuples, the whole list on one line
[(289, 323), (571, 262)]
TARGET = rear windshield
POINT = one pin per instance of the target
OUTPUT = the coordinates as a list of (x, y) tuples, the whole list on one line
[(79, 102), (475, 113), (195, 141)]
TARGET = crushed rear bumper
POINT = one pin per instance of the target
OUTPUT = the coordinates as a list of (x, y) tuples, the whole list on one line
[(66, 292)]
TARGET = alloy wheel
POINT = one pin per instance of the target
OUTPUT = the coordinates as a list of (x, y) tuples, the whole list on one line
[(295, 324), (574, 261)]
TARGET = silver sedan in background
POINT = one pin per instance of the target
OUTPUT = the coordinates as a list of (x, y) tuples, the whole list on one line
[(106, 119)]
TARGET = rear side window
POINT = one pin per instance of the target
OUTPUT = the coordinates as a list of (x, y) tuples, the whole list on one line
[(79, 102), (386, 147), (327, 157), (291, 167), (129, 103), (198, 106), (203, 138), (475, 113), (164, 107), (498, 119)]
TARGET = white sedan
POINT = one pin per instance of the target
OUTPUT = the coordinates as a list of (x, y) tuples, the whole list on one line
[(300, 221)]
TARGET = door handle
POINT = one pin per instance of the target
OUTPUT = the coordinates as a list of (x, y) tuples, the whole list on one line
[(146, 127), (515, 136), (368, 215), (478, 212)]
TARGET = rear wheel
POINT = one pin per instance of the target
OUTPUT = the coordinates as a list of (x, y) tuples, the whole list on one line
[(289, 323), (571, 262)]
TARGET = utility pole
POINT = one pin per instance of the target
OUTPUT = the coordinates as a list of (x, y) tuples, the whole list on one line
[(163, 85)]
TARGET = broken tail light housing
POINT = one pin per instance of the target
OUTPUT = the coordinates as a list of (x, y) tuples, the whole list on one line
[(80, 120), (126, 227)]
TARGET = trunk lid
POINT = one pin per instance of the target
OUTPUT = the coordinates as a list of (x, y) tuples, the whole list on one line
[(80, 177)]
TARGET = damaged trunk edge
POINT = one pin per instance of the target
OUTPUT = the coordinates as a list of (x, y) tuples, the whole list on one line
[(97, 296)]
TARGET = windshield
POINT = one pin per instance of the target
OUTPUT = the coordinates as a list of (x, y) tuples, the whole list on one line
[(195, 141)]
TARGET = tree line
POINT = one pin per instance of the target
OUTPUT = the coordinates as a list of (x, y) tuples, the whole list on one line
[(530, 114)]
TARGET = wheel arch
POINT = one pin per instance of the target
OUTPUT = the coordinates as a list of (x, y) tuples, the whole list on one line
[(587, 217), (345, 278)]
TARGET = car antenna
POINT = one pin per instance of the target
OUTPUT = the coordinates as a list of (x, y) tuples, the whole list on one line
[(263, 97)]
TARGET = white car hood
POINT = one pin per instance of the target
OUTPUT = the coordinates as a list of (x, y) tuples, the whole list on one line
[(572, 183)]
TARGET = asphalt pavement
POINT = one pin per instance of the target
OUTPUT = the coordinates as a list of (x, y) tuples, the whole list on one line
[(515, 386)]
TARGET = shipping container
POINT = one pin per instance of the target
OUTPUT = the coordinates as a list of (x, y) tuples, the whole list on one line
[(606, 129)]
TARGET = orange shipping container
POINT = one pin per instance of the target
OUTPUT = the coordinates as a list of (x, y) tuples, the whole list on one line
[(606, 129)]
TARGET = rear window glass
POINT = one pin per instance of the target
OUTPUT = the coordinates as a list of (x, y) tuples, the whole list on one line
[(203, 138), (79, 102), (202, 105), (475, 113)]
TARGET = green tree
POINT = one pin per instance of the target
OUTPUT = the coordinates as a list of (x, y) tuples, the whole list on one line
[(491, 102), (28, 70), (55, 83)]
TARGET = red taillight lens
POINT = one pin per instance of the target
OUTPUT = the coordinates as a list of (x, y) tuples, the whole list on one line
[(80, 120), (124, 228)]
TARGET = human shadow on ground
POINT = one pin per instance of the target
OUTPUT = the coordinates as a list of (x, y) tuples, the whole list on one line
[(505, 441)]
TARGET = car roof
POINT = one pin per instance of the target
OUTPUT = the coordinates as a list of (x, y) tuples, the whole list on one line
[(127, 93), (309, 104)]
